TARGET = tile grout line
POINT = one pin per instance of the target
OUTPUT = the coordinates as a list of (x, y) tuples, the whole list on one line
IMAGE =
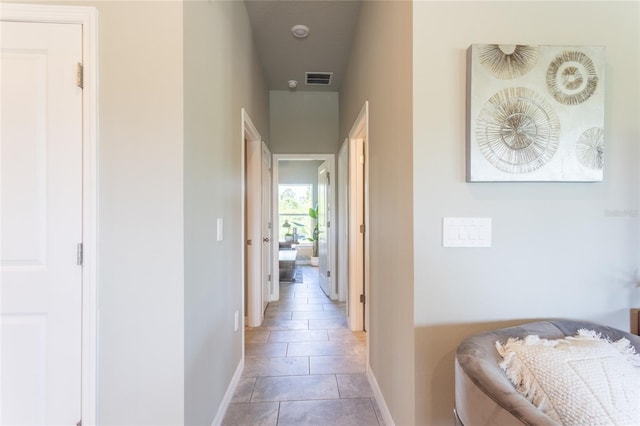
[(335, 377), (253, 388)]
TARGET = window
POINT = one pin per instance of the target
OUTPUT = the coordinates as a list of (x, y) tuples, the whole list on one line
[(294, 204)]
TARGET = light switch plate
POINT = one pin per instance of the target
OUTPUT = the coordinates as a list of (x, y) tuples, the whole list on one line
[(466, 232)]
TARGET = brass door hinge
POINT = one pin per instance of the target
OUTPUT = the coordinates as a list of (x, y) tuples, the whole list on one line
[(80, 76)]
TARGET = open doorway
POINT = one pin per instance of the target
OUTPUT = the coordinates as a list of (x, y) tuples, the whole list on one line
[(354, 217), (302, 183), (257, 252)]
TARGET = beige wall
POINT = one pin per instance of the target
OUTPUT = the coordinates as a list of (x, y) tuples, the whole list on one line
[(298, 171), (303, 122), (559, 249), (222, 75), (379, 71), (140, 264)]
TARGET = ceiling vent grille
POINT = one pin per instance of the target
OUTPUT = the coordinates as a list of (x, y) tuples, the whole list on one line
[(318, 78)]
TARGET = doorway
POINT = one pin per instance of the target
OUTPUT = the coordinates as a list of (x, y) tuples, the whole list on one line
[(285, 168), (258, 227), (355, 211)]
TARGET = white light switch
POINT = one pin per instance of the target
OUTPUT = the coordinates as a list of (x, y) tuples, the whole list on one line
[(219, 229), (466, 232)]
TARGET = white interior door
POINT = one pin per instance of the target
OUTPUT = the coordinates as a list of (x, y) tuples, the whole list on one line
[(324, 234), (266, 227), (254, 233), (41, 224), (358, 240), (356, 235)]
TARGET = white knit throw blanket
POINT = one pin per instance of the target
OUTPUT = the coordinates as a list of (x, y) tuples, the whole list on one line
[(582, 380)]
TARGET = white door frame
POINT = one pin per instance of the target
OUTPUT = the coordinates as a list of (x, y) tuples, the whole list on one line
[(342, 222), (358, 253), (252, 174), (266, 265), (330, 159), (88, 18), (328, 283)]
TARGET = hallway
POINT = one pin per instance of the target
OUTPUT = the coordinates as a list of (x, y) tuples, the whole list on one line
[(303, 366)]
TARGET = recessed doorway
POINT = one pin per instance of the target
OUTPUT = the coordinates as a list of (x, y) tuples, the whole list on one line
[(303, 182)]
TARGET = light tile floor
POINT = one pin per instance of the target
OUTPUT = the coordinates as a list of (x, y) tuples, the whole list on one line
[(303, 366)]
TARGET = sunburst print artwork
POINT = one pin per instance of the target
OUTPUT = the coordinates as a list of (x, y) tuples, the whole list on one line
[(517, 130), (572, 78), (535, 113), (508, 61), (590, 148)]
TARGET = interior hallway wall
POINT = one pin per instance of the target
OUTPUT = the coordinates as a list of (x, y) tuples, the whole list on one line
[(559, 249), (140, 228), (303, 122), (298, 171), (222, 75), (380, 71)]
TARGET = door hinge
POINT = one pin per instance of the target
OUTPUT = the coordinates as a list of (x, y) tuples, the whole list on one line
[(248, 242), (362, 159), (269, 278), (362, 228), (362, 298), (328, 274), (80, 76), (328, 224), (328, 179), (80, 254)]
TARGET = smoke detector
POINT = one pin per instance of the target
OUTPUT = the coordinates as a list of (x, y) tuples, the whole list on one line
[(293, 84), (300, 31)]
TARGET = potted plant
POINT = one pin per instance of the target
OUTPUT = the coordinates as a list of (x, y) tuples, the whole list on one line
[(313, 213), (288, 236)]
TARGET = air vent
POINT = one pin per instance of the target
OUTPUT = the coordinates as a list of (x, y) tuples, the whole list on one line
[(318, 78)]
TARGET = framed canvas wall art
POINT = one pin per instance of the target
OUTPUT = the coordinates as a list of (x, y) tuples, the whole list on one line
[(535, 113)]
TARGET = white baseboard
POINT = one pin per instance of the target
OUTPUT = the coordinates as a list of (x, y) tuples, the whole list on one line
[(222, 410), (382, 405)]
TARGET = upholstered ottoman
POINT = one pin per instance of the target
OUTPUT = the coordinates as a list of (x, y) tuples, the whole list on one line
[(486, 396)]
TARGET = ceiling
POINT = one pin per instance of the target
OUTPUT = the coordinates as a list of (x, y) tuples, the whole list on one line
[(285, 57)]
